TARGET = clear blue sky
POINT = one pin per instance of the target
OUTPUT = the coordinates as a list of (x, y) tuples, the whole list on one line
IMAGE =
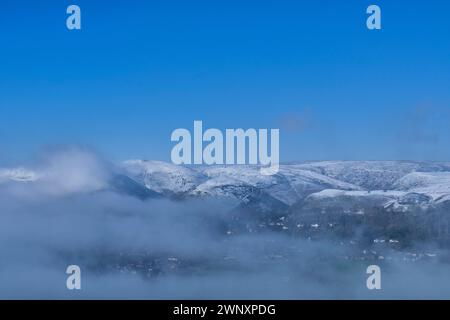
[(139, 69)]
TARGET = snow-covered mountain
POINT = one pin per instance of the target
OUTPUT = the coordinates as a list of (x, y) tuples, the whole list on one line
[(349, 185), (433, 184), (372, 175), (401, 201), (398, 200), (383, 183), (291, 184), (163, 177)]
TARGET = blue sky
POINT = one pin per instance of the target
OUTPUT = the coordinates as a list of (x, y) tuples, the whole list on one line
[(139, 69)]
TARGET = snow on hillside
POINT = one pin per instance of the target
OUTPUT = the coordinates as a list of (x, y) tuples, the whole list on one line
[(434, 184), (388, 181), (372, 175), (333, 193), (221, 178), (398, 184), (290, 185), (356, 202), (162, 176), (305, 182)]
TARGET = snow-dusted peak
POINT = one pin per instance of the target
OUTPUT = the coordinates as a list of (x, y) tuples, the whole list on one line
[(163, 176), (434, 184), (372, 175)]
